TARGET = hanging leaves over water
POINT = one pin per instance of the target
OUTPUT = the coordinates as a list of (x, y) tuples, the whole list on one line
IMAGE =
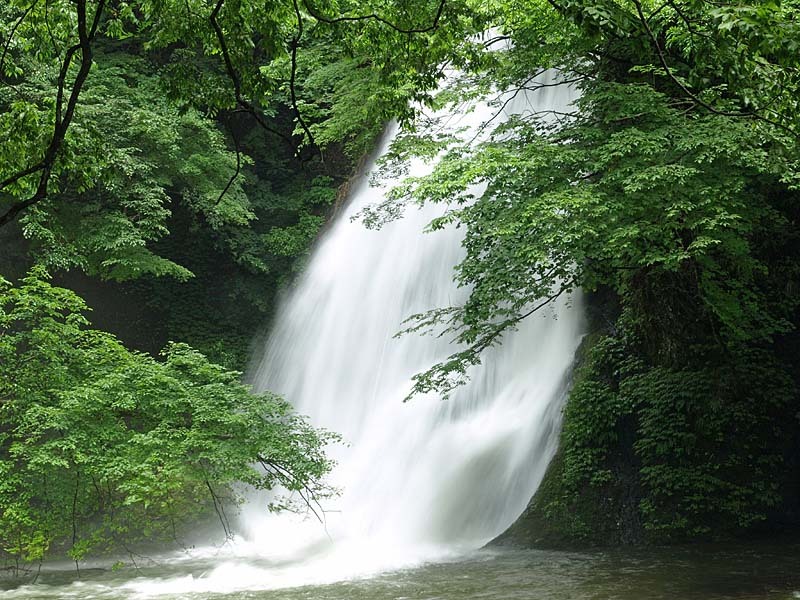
[(674, 186), (671, 186), (102, 448)]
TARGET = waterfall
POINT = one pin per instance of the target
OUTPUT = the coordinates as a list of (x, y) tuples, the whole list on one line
[(429, 473), (423, 480)]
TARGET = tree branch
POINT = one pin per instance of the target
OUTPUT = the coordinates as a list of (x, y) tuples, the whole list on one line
[(375, 17), (238, 163), (233, 75), (663, 60), (63, 116), (7, 45), (292, 483), (295, 43), (220, 510)]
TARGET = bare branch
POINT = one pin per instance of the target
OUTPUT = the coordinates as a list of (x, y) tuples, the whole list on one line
[(295, 43), (290, 481), (238, 163), (220, 510)]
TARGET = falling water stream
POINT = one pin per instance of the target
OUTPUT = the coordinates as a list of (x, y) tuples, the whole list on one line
[(425, 484), (428, 478)]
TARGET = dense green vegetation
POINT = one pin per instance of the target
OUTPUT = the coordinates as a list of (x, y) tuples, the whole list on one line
[(165, 185), (183, 155), (150, 162), (672, 189), (101, 447)]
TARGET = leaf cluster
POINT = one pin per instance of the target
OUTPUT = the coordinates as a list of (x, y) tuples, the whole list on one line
[(101, 447)]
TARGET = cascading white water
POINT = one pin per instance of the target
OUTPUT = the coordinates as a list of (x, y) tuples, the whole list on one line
[(422, 480), (429, 473)]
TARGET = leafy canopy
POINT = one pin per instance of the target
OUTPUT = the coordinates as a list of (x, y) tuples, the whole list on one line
[(101, 447)]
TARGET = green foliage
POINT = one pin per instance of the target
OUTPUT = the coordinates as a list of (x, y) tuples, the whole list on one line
[(631, 184), (164, 173), (707, 441), (699, 481), (101, 447), (189, 153), (673, 184), (140, 153)]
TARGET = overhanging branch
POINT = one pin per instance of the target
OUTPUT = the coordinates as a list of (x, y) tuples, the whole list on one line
[(64, 112), (233, 75), (295, 44), (376, 17)]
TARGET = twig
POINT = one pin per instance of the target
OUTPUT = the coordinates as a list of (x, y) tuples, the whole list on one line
[(233, 75), (11, 36), (218, 508), (238, 163), (375, 17), (295, 44), (295, 485), (74, 518)]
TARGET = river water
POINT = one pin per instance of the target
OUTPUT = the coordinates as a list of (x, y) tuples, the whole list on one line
[(735, 572)]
